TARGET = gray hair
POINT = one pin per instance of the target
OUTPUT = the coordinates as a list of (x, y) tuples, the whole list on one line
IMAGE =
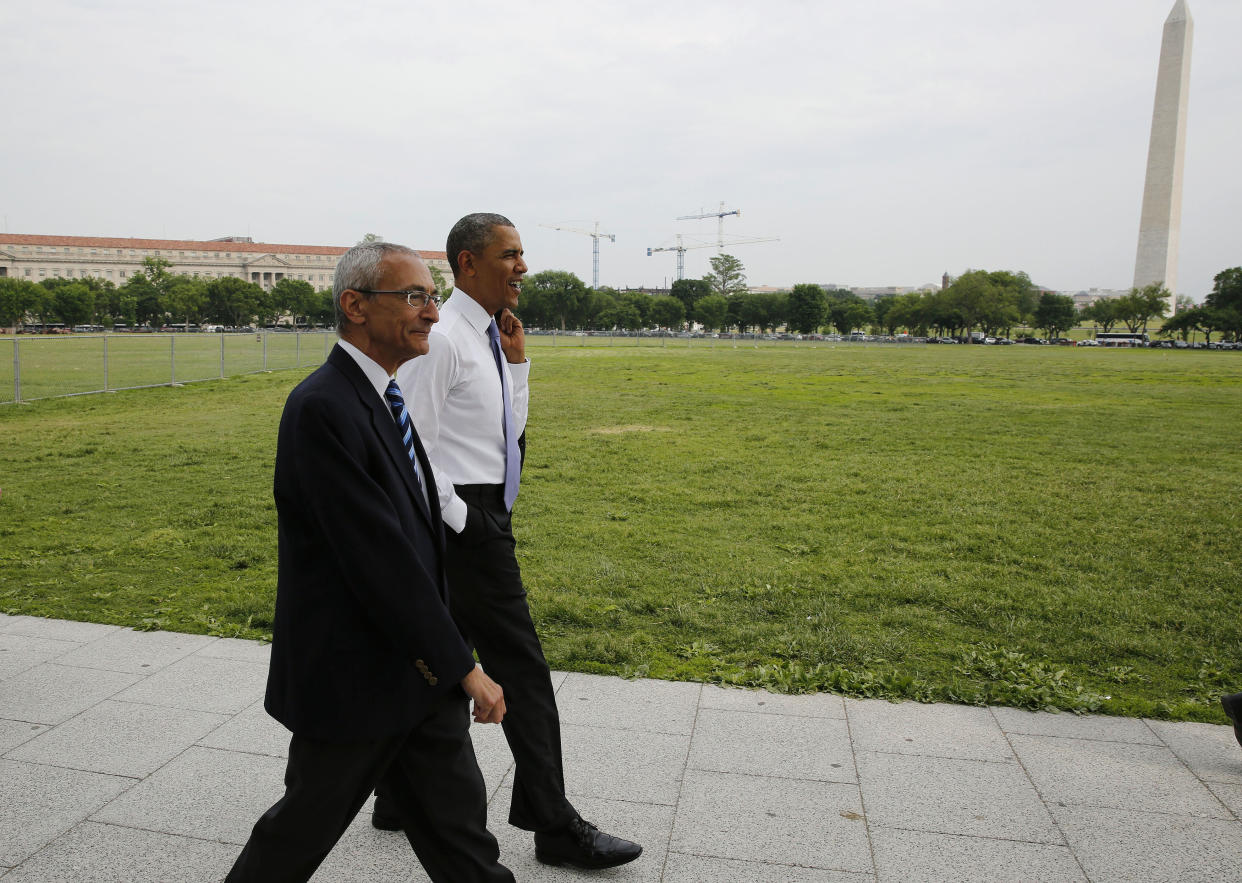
[(473, 233), (360, 269)]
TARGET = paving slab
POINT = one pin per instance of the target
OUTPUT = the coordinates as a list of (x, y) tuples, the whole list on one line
[(235, 648), (623, 764), (763, 702), (59, 629), (792, 747), (682, 868), (920, 857), (217, 795), (252, 730), (131, 651), (809, 824), (953, 796), (1075, 726), (120, 738), (19, 653), (493, 755), (202, 683), (1210, 752), (14, 733), (111, 854), (367, 855), (1121, 846), (647, 705), (1132, 777), (39, 803), (937, 730), (644, 823), (1230, 795), (51, 694)]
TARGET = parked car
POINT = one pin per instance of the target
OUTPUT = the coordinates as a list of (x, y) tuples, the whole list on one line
[(1088, 342)]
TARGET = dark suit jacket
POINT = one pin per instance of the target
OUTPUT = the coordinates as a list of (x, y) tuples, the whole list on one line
[(363, 641)]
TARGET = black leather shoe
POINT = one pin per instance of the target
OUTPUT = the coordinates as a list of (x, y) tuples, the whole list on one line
[(384, 820), (583, 845), (1233, 707)]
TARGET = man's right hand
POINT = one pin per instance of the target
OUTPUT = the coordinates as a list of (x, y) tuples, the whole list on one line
[(489, 699)]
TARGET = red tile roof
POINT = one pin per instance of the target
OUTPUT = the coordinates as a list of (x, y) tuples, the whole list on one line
[(182, 245)]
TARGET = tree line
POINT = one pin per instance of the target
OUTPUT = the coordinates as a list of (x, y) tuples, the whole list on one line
[(990, 301), (155, 296)]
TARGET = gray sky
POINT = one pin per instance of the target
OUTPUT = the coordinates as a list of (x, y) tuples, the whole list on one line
[(883, 142)]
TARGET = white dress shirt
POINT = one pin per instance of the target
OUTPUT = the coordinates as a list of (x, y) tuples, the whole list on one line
[(454, 395), (379, 379)]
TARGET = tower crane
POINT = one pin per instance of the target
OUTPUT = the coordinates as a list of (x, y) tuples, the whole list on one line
[(681, 250), (595, 236), (719, 216)]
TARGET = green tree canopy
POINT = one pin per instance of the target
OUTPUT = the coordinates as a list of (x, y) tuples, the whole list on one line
[(551, 299), (807, 308), (232, 301), (74, 303), (690, 292), (667, 311), (712, 311), (1055, 313), (728, 276), (17, 298), (296, 297)]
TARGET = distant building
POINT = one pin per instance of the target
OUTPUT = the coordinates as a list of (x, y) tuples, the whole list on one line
[(265, 264), (1091, 295)]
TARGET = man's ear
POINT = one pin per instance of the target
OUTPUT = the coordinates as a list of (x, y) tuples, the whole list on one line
[(351, 306), (465, 263)]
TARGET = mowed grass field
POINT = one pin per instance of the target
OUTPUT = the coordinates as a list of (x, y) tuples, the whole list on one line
[(1040, 527)]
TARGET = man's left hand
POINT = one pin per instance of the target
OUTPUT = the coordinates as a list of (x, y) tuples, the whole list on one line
[(512, 337)]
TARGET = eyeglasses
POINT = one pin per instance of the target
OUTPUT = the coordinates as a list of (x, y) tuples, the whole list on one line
[(415, 297)]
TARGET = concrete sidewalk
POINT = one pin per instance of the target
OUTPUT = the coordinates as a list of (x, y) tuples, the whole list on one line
[(133, 756)]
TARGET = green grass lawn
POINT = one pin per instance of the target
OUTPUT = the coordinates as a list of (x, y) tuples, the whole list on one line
[(1041, 527)]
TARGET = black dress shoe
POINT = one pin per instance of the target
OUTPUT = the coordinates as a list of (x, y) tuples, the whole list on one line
[(1233, 707), (583, 845), (384, 820)]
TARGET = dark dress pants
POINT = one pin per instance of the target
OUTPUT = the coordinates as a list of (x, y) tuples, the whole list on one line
[(431, 778), (488, 601)]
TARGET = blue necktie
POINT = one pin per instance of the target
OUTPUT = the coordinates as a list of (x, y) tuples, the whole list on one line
[(513, 459), (402, 416)]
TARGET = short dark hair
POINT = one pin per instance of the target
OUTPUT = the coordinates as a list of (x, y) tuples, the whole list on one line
[(472, 233)]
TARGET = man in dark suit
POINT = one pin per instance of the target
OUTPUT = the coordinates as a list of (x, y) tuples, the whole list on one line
[(369, 670)]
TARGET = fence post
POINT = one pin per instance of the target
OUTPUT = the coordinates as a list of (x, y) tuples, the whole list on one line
[(105, 340), (172, 356), (221, 355), (265, 350), (17, 371), (297, 348)]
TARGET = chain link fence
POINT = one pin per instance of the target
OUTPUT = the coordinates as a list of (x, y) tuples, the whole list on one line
[(38, 367)]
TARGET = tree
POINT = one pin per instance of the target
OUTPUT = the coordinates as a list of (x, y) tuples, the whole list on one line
[(1056, 313), (727, 276), (17, 297), (295, 297), (690, 292), (847, 311), (1142, 304), (554, 296), (437, 279), (711, 311), (667, 311), (905, 311), (186, 299), (1104, 312), (74, 304), (1225, 302), (232, 301)]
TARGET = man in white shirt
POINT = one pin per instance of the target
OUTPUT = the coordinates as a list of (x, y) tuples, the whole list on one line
[(469, 398)]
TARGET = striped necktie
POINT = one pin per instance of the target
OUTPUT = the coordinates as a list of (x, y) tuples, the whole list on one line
[(397, 403), (513, 459)]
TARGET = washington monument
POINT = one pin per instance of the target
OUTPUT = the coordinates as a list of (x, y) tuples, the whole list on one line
[(1160, 225)]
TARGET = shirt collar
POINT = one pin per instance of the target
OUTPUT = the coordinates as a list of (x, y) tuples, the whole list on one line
[(378, 376), (470, 310)]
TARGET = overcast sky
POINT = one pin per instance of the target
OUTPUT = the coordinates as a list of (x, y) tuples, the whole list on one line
[(883, 142)]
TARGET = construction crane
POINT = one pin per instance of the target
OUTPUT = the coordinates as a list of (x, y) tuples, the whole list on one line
[(595, 236), (681, 250), (719, 216)]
